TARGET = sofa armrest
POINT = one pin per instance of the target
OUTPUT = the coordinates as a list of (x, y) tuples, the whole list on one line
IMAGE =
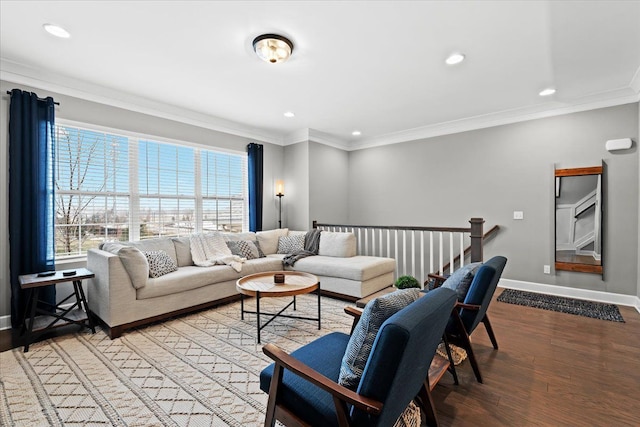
[(110, 292)]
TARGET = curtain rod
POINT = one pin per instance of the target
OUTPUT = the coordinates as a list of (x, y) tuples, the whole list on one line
[(40, 99)]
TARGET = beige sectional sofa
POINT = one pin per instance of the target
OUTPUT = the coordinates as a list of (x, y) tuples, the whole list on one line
[(122, 295)]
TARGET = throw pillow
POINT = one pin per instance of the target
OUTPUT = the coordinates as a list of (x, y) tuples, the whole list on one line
[(260, 252), (160, 263), (243, 248), (461, 279), (133, 261), (269, 239), (291, 244), (364, 334)]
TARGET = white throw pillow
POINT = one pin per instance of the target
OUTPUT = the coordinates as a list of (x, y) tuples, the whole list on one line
[(269, 239)]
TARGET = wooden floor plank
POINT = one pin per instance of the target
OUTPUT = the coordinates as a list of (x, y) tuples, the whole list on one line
[(552, 369)]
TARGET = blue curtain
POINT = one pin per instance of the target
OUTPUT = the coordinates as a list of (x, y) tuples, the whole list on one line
[(255, 186), (31, 195)]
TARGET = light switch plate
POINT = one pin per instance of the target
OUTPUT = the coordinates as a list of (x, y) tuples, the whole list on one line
[(546, 269), (518, 215)]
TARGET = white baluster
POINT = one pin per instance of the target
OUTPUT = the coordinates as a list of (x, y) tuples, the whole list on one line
[(461, 249)]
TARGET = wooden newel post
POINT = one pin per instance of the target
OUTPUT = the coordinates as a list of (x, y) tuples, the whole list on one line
[(315, 224), (476, 239)]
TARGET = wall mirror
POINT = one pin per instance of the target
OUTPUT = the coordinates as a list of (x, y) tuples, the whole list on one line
[(578, 245)]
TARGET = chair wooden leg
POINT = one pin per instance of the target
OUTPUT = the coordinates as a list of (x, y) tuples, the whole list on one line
[(489, 329), (464, 340), (452, 366), (428, 407), (276, 382)]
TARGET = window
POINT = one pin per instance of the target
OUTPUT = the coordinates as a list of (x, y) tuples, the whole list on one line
[(115, 187)]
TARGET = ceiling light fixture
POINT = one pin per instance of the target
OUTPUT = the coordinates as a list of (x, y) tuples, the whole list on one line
[(273, 48), (547, 92), (356, 133), (56, 31), (454, 58), (289, 114)]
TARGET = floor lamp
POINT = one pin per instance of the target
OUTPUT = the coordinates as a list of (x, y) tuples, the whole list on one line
[(279, 194)]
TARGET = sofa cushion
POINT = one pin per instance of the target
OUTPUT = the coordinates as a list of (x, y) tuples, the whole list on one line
[(461, 279), (269, 239), (364, 334), (159, 263), (337, 244), (359, 267), (291, 244), (183, 251), (133, 260), (186, 278), (157, 244)]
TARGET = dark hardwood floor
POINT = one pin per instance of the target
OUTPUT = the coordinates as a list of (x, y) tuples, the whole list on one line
[(552, 369)]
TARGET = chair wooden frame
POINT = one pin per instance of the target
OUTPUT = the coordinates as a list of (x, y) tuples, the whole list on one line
[(463, 338), (342, 396)]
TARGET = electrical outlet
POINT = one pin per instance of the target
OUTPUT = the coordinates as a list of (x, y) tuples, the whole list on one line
[(546, 269), (518, 215)]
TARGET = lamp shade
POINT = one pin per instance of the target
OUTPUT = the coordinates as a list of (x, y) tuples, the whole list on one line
[(272, 48), (280, 188)]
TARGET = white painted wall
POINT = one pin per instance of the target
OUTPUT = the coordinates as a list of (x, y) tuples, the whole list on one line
[(328, 188), (489, 173), (295, 203)]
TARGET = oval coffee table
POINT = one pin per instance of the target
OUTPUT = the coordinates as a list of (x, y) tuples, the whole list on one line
[(261, 285)]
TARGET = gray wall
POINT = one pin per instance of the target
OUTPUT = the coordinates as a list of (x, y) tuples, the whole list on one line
[(489, 173), (295, 203), (328, 188), (98, 114)]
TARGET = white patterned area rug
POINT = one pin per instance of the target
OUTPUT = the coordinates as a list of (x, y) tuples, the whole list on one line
[(197, 370)]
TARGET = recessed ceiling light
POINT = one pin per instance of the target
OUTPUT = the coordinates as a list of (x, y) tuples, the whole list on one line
[(289, 114), (56, 31), (454, 58), (356, 133), (548, 91)]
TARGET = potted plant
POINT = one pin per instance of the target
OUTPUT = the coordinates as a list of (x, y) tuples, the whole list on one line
[(406, 282)]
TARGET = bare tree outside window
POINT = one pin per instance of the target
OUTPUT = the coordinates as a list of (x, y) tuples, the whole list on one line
[(87, 209)]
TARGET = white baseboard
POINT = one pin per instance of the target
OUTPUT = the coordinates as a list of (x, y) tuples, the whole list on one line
[(5, 322), (563, 291)]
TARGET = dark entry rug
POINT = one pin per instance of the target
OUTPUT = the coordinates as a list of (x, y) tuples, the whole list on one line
[(596, 310)]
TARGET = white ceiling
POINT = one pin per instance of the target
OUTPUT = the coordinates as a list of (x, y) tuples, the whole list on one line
[(374, 66)]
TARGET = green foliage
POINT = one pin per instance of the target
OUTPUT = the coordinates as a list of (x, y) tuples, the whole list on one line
[(405, 282)]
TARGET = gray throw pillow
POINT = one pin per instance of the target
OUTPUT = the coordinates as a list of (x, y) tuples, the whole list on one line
[(244, 248), (160, 263), (461, 279), (291, 244), (364, 334)]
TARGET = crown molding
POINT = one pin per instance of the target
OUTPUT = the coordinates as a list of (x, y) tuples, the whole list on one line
[(590, 102), (21, 74), (17, 73), (306, 134)]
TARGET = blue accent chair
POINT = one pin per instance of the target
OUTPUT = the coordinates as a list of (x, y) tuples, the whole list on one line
[(303, 388), (473, 311)]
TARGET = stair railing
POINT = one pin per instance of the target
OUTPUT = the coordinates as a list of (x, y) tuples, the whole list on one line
[(418, 251)]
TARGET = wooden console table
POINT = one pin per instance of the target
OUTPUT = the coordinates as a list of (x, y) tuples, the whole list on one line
[(76, 313)]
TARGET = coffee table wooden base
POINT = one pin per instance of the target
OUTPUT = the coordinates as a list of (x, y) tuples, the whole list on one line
[(304, 284)]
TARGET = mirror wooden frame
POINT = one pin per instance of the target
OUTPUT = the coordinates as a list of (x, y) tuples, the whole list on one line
[(571, 266)]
